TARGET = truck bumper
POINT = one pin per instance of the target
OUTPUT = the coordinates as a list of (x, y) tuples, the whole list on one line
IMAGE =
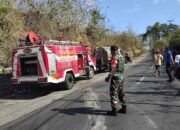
[(29, 79)]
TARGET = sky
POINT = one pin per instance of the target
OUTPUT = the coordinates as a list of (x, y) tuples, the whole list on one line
[(138, 14)]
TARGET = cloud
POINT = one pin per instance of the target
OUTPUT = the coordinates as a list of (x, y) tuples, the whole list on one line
[(165, 1), (156, 2), (135, 8)]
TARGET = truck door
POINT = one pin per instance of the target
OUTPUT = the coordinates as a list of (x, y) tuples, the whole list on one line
[(81, 64)]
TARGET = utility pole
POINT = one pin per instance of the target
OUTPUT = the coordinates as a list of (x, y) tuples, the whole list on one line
[(170, 24), (170, 21)]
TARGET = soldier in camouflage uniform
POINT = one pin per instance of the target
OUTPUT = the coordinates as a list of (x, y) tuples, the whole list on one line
[(116, 76)]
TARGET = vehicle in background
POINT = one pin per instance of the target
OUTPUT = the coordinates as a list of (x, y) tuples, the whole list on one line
[(102, 59), (127, 58)]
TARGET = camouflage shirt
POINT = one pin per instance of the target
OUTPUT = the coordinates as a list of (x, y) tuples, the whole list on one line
[(119, 71)]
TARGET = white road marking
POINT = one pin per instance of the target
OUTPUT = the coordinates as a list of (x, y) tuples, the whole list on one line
[(150, 122), (97, 122), (148, 119), (140, 80), (152, 67), (143, 77)]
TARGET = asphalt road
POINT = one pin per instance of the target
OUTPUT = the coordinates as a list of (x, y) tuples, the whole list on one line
[(153, 104)]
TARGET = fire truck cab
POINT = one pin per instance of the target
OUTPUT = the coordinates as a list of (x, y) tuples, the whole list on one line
[(53, 61)]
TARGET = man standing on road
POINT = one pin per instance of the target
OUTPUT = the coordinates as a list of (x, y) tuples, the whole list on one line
[(169, 63), (116, 76)]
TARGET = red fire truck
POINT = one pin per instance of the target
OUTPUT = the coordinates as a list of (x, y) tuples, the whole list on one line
[(51, 61)]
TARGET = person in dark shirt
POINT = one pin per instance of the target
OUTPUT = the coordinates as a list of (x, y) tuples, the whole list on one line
[(169, 63)]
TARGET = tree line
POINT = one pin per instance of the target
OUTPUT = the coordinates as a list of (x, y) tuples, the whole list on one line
[(161, 35), (76, 20)]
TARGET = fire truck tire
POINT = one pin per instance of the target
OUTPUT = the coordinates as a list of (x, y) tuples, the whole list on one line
[(100, 69), (90, 73), (17, 85), (105, 68), (69, 81)]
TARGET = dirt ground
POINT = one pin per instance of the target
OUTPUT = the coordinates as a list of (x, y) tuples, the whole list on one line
[(12, 94)]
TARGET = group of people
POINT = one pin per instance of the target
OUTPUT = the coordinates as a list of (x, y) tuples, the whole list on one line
[(116, 74), (171, 59)]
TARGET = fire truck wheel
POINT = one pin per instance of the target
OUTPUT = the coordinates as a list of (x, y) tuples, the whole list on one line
[(105, 67), (69, 81), (90, 73)]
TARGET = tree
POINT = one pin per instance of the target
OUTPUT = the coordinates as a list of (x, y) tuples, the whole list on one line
[(161, 44), (76, 20), (96, 29), (175, 39), (159, 32), (11, 27)]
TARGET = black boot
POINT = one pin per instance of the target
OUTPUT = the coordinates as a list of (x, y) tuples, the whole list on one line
[(112, 113), (123, 110)]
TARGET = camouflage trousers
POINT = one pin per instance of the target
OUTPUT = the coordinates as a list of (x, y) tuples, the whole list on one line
[(117, 94)]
